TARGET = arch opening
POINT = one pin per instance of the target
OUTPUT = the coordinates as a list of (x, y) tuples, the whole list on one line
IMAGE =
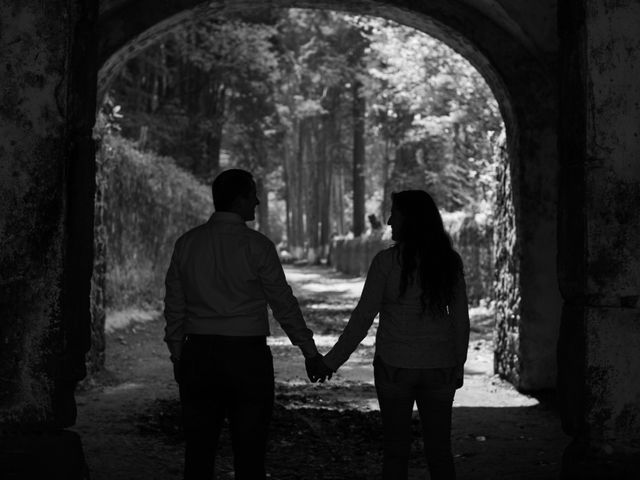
[(529, 326), (388, 118)]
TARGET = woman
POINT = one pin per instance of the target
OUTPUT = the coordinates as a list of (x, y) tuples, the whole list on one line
[(421, 345)]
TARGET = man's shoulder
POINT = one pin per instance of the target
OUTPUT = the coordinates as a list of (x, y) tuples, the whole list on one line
[(240, 231), (189, 234), (259, 238)]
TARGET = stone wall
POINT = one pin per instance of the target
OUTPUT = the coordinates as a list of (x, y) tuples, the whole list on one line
[(472, 237), (506, 288), (599, 347), (353, 255), (48, 81)]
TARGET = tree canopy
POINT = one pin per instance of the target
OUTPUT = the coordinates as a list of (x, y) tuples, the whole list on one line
[(332, 112)]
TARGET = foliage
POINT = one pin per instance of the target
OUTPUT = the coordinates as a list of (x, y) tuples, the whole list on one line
[(285, 93), (149, 202), (435, 111), (178, 95)]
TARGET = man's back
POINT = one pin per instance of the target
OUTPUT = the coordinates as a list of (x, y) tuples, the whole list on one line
[(218, 263), (221, 278)]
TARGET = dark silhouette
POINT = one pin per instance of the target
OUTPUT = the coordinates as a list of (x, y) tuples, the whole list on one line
[(221, 278), (374, 222), (418, 288)]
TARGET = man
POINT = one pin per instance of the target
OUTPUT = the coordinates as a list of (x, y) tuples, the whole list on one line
[(221, 277)]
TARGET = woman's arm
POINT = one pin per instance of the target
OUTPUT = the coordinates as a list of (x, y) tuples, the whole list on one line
[(459, 312), (362, 316)]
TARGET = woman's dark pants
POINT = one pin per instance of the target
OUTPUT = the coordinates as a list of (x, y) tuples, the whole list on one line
[(229, 377), (433, 390)]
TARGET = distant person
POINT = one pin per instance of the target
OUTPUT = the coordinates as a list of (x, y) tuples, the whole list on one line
[(418, 288), (374, 222), (221, 278)]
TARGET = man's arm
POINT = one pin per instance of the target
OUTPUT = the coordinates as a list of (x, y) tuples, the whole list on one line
[(284, 304), (174, 308)]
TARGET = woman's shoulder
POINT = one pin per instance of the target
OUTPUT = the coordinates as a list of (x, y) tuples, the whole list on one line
[(387, 252), (457, 261), (458, 268), (386, 256)]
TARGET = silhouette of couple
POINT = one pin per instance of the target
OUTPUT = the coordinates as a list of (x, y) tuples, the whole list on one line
[(222, 276)]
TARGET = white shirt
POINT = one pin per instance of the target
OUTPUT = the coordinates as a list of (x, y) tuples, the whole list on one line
[(221, 277), (406, 337)]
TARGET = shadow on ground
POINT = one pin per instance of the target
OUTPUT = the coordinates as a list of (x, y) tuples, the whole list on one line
[(318, 443)]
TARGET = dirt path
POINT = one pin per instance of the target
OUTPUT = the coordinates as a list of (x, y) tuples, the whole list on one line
[(129, 417)]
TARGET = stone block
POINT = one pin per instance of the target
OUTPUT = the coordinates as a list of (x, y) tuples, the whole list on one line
[(612, 183), (55, 454), (612, 373)]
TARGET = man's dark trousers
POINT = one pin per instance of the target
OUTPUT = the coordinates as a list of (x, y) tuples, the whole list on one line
[(226, 376)]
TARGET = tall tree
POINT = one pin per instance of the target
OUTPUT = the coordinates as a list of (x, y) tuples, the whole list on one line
[(359, 106), (183, 90)]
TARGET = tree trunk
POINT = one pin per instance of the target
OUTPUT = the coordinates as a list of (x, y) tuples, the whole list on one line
[(387, 167), (213, 107), (287, 192), (263, 207), (213, 144), (296, 196), (358, 158), (313, 144), (339, 200), (328, 146)]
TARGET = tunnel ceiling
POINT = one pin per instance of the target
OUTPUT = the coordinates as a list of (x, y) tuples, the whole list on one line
[(532, 23)]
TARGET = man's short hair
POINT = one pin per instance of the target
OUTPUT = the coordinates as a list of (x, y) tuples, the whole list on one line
[(229, 185)]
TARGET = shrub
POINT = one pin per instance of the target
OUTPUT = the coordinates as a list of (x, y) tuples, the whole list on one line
[(148, 203)]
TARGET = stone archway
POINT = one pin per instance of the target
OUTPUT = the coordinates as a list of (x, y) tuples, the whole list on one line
[(519, 75), (50, 57)]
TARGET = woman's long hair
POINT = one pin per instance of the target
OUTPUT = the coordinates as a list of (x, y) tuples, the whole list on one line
[(424, 247)]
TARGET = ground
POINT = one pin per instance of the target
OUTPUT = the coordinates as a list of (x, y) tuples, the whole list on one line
[(128, 417)]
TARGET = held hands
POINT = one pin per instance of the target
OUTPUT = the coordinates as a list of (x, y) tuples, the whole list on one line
[(317, 370)]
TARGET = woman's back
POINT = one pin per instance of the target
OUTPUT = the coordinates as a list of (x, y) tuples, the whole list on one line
[(409, 335)]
